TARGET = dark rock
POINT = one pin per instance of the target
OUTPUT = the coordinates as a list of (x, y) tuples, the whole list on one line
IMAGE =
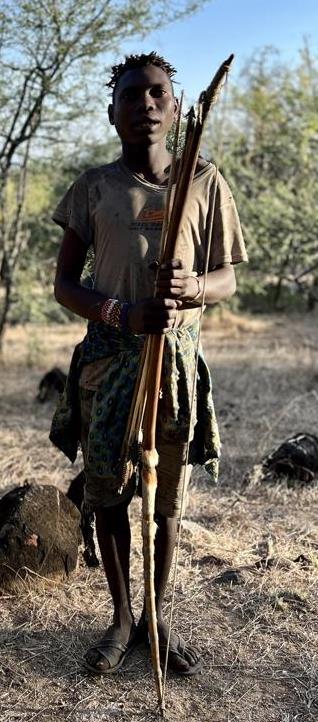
[(213, 560), (294, 462), (296, 458), (39, 532), (230, 576), (303, 561)]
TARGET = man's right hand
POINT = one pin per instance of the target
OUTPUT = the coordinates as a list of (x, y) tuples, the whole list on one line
[(154, 315)]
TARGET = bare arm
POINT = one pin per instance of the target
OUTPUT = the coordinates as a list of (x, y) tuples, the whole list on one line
[(220, 284), (174, 281), (68, 290)]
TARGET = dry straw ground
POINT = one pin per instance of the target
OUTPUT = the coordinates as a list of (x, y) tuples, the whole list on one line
[(258, 634)]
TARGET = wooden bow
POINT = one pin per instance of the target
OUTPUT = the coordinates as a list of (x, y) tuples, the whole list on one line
[(143, 414)]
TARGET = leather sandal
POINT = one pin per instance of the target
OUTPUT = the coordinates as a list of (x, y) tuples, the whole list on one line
[(106, 648)]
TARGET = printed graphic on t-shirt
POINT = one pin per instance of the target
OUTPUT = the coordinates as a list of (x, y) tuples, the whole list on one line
[(149, 219)]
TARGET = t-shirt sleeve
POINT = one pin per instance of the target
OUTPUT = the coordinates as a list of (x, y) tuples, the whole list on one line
[(227, 239), (73, 210)]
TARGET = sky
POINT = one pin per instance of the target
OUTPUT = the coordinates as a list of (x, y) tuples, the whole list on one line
[(197, 45)]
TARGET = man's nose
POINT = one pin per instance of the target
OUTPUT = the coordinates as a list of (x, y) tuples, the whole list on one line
[(146, 100)]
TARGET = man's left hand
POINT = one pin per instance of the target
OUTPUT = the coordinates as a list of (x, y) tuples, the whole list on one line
[(175, 281)]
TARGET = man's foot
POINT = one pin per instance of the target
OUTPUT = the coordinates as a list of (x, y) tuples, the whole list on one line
[(108, 655), (183, 658)]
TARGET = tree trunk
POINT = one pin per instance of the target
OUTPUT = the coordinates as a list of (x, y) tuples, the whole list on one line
[(6, 284), (277, 292)]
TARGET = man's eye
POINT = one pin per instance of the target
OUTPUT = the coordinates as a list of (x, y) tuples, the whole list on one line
[(130, 94), (157, 92)]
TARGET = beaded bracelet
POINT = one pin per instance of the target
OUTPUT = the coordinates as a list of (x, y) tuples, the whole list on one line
[(115, 313)]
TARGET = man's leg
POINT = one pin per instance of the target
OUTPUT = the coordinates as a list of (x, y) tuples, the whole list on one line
[(183, 658), (113, 533)]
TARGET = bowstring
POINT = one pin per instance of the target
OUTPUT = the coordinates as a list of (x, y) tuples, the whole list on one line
[(193, 397)]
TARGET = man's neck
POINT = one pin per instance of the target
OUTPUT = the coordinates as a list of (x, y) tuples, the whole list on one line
[(151, 162)]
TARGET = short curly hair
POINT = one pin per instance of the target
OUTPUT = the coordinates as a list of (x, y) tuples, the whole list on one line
[(139, 61)]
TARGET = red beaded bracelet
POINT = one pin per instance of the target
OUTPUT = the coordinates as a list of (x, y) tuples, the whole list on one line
[(114, 312)]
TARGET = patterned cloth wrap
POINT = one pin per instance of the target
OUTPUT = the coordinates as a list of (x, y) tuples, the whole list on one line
[(112, 400)]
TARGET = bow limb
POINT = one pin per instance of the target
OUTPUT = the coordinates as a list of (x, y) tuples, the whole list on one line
[(149, 487), (155, 348), (192, 404)]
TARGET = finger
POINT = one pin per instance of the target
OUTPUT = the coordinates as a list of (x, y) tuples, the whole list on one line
[(175, 263), (159, 304), (178, 285), (178, 282), (168, 274), (167, 288), (174, 294), (163, 318), (171, 313), (158, 328), (169, 303), (160, 318)]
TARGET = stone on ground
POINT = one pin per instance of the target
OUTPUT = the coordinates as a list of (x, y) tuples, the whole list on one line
[(39, 534)]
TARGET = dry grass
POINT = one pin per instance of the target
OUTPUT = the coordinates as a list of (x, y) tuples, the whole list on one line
[(258, 637)]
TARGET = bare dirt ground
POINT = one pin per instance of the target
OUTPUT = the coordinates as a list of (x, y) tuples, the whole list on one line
[(258, 634)]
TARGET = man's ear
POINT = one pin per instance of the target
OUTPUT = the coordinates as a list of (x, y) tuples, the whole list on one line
[(111, 114)]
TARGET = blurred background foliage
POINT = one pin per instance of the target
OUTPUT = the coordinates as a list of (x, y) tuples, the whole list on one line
[(263, 135), (52, 61), (265, 140)]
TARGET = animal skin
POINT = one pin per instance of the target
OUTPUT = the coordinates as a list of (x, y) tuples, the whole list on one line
[(76, 494)]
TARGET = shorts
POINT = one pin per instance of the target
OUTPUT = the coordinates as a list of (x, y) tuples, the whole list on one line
[(102, 492)]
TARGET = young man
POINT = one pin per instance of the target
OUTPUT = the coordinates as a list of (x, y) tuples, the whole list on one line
[(119, 209)]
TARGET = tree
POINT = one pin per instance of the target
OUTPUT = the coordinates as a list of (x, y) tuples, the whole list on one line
[(270, 143), (31, 293), (48, 52)]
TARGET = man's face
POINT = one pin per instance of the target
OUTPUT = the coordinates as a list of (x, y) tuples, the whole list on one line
[(144, 106)]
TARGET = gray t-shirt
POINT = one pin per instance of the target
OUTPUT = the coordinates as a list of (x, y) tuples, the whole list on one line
[(121, 215)]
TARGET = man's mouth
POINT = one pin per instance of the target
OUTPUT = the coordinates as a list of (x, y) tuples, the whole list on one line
[(145, 123)]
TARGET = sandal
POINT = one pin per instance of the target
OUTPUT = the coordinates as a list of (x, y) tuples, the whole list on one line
[(107, 648), (179, 651)]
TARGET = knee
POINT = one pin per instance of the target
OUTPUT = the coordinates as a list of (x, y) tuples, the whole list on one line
[(111, 518), (167, 524)]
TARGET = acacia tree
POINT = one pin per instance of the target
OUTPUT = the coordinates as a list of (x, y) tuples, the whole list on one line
[(269, 155), (47, 52)]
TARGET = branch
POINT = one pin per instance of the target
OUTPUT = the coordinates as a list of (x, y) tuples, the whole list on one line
[(306, 271), (17, 112), (15, 234)]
